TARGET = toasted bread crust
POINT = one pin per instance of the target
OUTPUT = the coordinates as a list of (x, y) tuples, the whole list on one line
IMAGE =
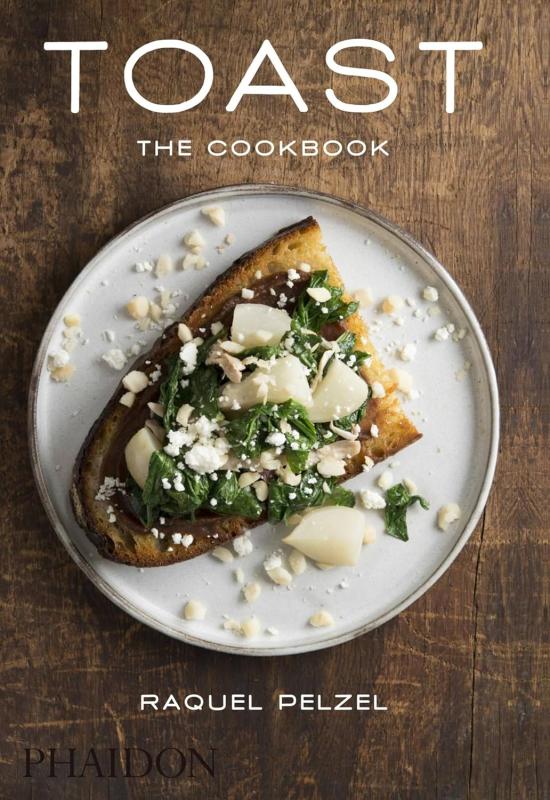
[(119, 541)]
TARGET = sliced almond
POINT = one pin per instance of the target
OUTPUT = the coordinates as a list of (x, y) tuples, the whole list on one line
[(248, 478), (135, 381), (184, 333), (320, 294), (62, 374), (156, 408), (138, 307), (72, 320), (215, 214), (261, 490), (127, 399), (184, 414)]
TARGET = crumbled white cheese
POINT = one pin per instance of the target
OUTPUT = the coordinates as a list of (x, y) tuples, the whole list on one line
[(143, 266), (321, 619), (243, 545), (385, 480), (187, 539), (430, 294), (205, 458), (374, 431), (447, 514), (372, 500), (441, 334), (57, 359), (115, 358), (408, 352), (188, 354), (411, 485), (272, 631), (276, 438), (391, 304), (194, 240), (194, 610), (215, 328), (109, 487), (229, 238), (247, 294), (164, 265), (403, 380), (194, 261), (459, 334), (377, 389), (155, 374)]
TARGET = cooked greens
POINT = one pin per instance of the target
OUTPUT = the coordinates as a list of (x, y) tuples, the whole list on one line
[(398, 500), (173, 488), (159, 493), (227, 497), (313, 315), (247, 433), (313, 490), (220, 493)]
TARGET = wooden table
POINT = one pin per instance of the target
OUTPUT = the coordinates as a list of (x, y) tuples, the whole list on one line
[(462, 669)]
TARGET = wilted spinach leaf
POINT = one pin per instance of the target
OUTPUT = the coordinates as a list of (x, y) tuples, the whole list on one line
[(308, 313), (398, 500), (202, 391), (286, 500), (231, 499), (158, 499), (247, 432)]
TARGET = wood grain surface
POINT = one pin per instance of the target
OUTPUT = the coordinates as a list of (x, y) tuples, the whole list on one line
[(463, 669)]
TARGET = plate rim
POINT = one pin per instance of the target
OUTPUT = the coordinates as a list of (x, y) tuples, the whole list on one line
[(182, 634)]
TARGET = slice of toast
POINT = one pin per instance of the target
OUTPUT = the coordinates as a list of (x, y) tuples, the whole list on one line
[(125, 539)]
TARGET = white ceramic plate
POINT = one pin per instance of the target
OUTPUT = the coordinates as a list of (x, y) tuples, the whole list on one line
[(457, 411)]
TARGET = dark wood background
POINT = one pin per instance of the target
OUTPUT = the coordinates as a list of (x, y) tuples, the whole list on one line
[(463, 669)]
